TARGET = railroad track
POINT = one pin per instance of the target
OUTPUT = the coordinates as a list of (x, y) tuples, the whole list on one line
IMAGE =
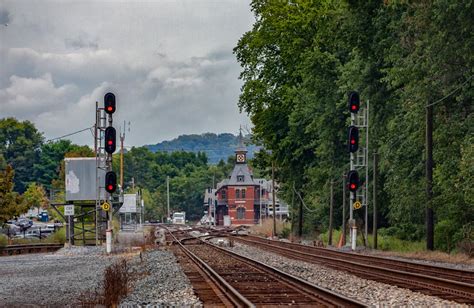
[(452, 284), (29, 248), (242, 282)]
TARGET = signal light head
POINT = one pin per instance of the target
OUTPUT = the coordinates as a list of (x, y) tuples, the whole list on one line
[(109, 103), (353, 180), (354, 102), (353, 145), (110, 182), (110, 140)]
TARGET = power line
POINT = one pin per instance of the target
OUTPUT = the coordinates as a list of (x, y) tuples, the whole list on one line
[(79, 131), (302, 201), (452, 92)]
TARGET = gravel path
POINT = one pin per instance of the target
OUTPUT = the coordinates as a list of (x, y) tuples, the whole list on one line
[(161, 282), (52, 279), (373, 293)]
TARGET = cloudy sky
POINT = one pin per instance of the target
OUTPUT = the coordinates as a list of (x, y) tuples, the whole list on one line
[(169, 62)]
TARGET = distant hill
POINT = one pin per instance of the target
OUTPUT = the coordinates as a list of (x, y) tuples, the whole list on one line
[(216, 146)]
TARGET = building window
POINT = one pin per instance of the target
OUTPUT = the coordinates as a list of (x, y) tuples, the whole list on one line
[(240, 178), (243, 193), (223, 195), (241, 213), (237, 194)]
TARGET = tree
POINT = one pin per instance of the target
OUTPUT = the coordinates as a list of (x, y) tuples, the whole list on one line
[(11, 203), (301, 58), (20, 144), (35, 196), (50, 157)]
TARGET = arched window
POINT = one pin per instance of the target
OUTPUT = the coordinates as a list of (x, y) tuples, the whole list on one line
[(243, 193), (237, 194), (241, 213)]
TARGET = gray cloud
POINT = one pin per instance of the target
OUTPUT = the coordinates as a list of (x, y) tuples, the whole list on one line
[(4, 16), (170, 64), (81, 43)]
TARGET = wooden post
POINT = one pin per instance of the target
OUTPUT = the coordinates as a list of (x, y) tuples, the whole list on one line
[(273, 199), (374, 198), (331, 206), (344, 231), (429, 179)]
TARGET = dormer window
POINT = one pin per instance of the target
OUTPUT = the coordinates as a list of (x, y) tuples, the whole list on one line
[(240, 178)]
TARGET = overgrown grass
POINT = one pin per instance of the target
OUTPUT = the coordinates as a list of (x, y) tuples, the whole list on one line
[(385, 243), (3, 240), (113, 287), (58, 237), (266, 229)]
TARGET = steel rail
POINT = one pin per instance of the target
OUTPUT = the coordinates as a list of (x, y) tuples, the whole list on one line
[(231, 294), (29, 248), (405, 265), (312, 290), (448, 289)]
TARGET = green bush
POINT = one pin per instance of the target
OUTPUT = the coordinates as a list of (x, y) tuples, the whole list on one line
[(448, 234), (3, 240), (285, 232), (58, 236), (407, 232)]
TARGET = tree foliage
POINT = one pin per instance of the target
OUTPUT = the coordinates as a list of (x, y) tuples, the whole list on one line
[(300, 60), (189, 176), (20, 144), (11, 203)]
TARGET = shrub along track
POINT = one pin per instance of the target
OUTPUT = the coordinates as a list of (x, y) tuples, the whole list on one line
[(447, 283), (239, 281)]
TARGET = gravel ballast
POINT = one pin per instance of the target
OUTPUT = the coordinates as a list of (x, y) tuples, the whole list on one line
[(51, 279), (370, 292), (160, 282)]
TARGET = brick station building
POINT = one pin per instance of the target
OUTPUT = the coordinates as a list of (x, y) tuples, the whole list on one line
[(238, 197)]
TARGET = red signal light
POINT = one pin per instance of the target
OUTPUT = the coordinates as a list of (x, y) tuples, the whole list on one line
[(353, 138), (354, 102), (353, 181), (110, 140), (110, 182), (109, 103)]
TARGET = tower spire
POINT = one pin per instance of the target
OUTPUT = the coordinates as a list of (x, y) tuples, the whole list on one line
[(241, 150)]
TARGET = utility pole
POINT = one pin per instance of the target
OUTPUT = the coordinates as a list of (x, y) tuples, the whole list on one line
[(168, 194), (97, 186), (429, 179), (273, 199), (122, 138), (344, 194), (331, 205), (300, 219), (374, 198)]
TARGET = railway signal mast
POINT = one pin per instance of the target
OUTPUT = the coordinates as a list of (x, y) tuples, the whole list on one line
[(106, 134), (358, 162)]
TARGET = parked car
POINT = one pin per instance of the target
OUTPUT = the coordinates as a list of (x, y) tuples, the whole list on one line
[(24, 223), (10, 229), (28, 236)]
